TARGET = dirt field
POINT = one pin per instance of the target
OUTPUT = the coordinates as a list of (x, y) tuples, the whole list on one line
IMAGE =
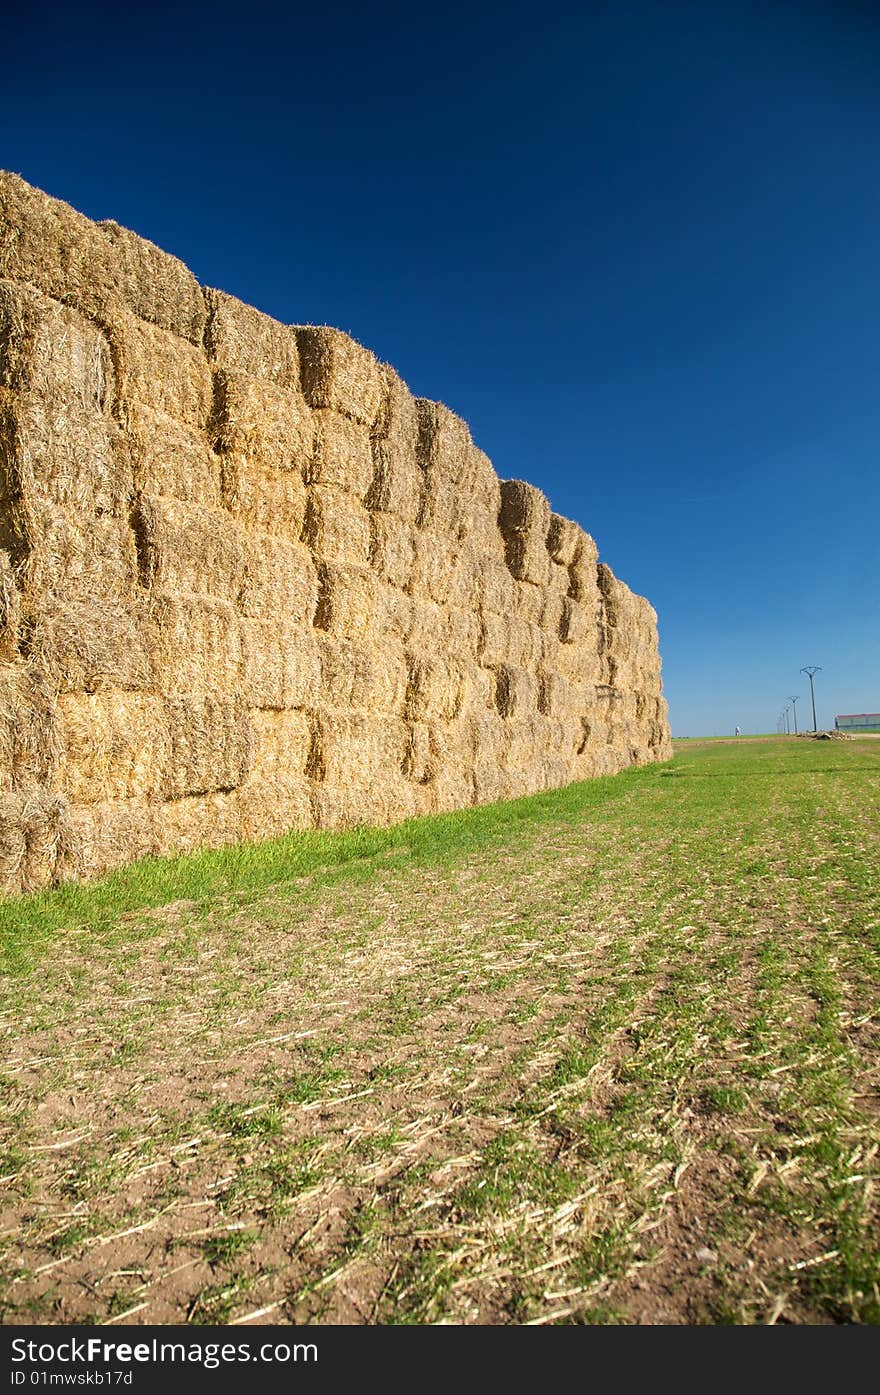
[(605, 1056)]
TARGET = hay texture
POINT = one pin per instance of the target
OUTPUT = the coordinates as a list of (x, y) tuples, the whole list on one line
[(249, 583)]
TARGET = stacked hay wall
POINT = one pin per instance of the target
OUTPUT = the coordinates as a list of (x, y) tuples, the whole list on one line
[(249, 583)]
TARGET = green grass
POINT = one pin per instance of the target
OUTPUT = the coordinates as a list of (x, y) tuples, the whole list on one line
[(605, 1055)]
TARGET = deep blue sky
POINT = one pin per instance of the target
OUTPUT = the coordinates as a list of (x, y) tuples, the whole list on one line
[(636, 246)]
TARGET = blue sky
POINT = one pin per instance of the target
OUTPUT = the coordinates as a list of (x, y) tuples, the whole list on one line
[(636, 245)]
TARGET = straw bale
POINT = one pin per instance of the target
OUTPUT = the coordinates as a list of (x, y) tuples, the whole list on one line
[(419, 759), (281, 746), (211, 744), (88, 558), (92, 266), (280, 580), (29, 743), (159, 370), (427, 626), (436, 687), (64, 459), (172, 459), (553, 609), (269, 808), (10, 608), (51, 351), (434, 568), (524, 521), (392, 548), (516, 691), (338, 807), (268, 424), (564, 539), (495, 587), (198, 649), (461, 490), (337, 372), (113, 831), (358, 748), (198, 821), (398, 479), (115, 746), (491, 784), (370, 676), (155, 285), (343, 456), (348, 600), (38, 843), (82, 645), (337, 527), (556, 696), (576, 624), (188, 547), (531, 600), (245, 340), (262, 498), (463, 629), (396, 612), (510, 640), (282, 664)]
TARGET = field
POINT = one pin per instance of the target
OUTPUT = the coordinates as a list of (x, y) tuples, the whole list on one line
[(607, 1055)]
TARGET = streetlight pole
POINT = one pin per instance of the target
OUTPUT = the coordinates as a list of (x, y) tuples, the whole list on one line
[(809, 671), (794, 710)]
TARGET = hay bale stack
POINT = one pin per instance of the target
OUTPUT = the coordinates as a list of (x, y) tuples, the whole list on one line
[(249, 583)]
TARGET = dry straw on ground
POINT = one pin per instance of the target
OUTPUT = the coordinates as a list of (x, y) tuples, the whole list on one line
[(248, 582)]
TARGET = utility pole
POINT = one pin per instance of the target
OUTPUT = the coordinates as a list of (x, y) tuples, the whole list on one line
[(785, 719), (809, 671), (794, 710)]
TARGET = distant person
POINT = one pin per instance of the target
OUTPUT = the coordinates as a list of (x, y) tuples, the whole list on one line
[(737, 731)]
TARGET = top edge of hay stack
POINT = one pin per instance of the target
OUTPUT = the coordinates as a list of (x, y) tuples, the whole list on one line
[(249, 583)]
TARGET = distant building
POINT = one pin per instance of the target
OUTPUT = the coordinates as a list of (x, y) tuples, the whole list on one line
[(858, 721)]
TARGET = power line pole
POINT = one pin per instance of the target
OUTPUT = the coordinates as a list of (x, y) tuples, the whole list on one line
[(809, 671), (794, 710), (785, 715)]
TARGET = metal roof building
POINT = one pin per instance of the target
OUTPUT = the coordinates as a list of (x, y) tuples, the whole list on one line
[(858, 721)]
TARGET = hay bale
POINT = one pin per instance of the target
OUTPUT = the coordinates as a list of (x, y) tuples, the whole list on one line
[(348, 600), (434, 568), (516, 691), (198, 821), (524, 521), (282, 664), (363, 675), (87, 558), (398, 479), (38, 842), (340, 807), (115, 746), (281, 746), (463, 630), (211, 744), (507, 639), (392, 549), (172, 459), (337, 372), (419, 758), (267, 424), (29, 742), (110, 832), (269, 809), (564, 540), (336, 527), (198, 646), (93, 266), (495, 586), (245, 340), (10, 609), (188, 547), (155, 368), (461, 494), (280, 580), (263, 499), (435, 688), (82, 645), (343, 455), (52, 351), (359, 748)]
